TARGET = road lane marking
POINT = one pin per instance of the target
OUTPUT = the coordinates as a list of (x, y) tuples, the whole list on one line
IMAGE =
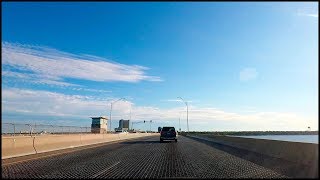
[(101, 172)]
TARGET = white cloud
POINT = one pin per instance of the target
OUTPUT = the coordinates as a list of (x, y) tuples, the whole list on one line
[(31, 102), (51, 104), (247, 74), (52, 66)]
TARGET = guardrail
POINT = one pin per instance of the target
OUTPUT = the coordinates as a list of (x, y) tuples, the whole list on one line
[(13, 129)]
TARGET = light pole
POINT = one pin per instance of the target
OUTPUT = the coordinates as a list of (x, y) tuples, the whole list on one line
[(150, 125), (187, 111), (130, 113), (179, 125), (111, 109)]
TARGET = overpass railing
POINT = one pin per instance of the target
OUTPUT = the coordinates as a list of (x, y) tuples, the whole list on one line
[(13, 129)]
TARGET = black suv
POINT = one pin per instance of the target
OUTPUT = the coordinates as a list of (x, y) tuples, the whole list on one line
[(168, 133)]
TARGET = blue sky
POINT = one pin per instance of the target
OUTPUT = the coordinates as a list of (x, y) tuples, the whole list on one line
[(241, 66)]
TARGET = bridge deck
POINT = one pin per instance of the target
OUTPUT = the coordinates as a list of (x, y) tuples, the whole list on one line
[(141, 158)]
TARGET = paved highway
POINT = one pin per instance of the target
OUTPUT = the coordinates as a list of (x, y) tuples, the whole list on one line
[(140, 158)]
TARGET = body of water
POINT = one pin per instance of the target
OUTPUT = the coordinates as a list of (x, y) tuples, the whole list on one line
[(294, 138)]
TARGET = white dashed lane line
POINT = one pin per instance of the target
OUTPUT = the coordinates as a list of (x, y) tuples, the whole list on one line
[(105, 170)]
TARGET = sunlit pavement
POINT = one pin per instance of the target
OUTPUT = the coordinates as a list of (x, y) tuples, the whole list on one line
[(141, 158)]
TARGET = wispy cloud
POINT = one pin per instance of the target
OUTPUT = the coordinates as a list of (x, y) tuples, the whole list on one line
[(90, 90), (175, 100), (247, 74), (50, 66), (171, 100), (35, 79), (308, 11), (36, 103), (311, 15)]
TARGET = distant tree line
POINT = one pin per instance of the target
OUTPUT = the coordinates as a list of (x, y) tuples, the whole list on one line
[(256, 133)]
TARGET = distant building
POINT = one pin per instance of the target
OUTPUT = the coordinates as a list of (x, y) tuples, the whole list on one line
[(99, 125), (123, 125)]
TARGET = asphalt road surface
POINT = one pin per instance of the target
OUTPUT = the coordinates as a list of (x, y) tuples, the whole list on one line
[(141, 158)]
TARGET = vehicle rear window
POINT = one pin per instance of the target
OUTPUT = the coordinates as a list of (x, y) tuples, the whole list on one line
[(168, 129)]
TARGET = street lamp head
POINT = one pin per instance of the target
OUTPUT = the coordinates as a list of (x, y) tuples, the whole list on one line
[(119, 100)]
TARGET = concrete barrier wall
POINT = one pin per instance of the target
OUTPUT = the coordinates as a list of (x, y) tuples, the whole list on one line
[(87, 139), (17, 145), (26, 145), (56, 142), (303, 153)]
